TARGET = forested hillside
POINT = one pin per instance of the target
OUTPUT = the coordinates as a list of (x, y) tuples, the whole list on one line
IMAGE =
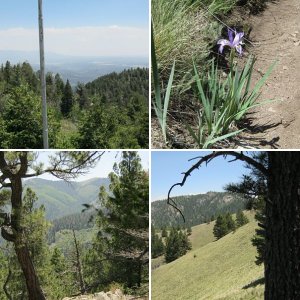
[(62, 198), (121, 86), (197, 209), (99, 114)]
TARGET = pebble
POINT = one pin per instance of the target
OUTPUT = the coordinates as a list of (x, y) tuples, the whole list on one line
[(285, 68), (297, 43)]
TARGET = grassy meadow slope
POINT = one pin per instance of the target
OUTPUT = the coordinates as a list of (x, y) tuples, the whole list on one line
[(201, 235), (212, 270)]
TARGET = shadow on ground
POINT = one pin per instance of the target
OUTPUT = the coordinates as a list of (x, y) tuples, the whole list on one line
[(254, 283)]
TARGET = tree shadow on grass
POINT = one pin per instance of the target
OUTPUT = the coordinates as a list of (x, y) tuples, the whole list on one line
[(254, 283)]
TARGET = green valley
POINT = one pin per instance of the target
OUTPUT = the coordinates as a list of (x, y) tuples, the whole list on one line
[(62, 198)]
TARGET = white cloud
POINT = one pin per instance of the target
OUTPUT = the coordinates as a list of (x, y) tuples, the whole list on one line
[(87, 41)]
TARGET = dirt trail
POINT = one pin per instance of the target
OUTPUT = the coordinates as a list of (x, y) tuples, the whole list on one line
[(276, 34)]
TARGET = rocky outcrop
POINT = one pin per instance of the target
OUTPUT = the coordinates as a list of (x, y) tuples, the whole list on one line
[(117, 295)]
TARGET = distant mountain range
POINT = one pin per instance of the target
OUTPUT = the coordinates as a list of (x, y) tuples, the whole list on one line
[(75, 68), (197, 209), (61, 198)]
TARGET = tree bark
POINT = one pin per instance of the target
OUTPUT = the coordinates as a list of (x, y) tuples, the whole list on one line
[(282, 256), (33, 286)]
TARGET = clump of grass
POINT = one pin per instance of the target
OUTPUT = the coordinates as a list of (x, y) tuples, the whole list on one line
[(160, 104), (181, 32)]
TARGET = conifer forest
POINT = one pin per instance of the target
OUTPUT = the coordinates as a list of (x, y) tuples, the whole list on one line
[(102, 247)]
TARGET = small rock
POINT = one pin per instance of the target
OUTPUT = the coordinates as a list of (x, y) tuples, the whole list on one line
[(297, 43), (285, 68)]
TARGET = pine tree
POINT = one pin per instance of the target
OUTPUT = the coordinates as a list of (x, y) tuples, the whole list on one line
[(22, 121), (177, 244), (230, 222), (254, 188), (220, 229), (124, 230), (63, 165), (82, 96), (241, 219), (157, 245), (67, 100), (172, 246)]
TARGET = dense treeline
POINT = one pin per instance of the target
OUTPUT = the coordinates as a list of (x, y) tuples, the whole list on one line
[(197, 209), (75, 221), (121, 86), (172, 245), (226, 224), (110, 112)]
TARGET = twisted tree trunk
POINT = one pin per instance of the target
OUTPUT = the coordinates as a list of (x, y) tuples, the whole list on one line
[(32, 282)]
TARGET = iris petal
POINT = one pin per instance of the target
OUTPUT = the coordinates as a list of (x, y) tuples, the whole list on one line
[(238, 39), (222, 44)]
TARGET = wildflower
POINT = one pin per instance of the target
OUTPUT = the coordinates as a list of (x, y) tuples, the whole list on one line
[(235, 42)]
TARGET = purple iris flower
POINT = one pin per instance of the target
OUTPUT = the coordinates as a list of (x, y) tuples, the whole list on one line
[(235, 42)]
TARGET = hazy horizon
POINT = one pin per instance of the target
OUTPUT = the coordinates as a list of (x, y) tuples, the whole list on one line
[(89, 28)]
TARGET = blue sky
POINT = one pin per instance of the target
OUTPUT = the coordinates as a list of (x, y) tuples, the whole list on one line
[(77, 27), (167, 167), (74, 13), (103, 168)]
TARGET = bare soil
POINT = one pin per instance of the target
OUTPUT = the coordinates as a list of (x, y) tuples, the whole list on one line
[(275, 36)]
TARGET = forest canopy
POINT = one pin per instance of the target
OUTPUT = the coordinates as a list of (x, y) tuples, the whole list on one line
[(109, 112)]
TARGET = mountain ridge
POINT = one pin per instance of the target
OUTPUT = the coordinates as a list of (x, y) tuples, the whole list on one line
[(197, 209), (62, 198)]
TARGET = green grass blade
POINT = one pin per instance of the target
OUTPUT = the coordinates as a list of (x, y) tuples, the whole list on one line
[(167, 100)]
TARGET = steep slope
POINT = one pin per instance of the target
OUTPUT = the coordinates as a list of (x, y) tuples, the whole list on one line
[(61, 198), (197, 209), (222, 269)]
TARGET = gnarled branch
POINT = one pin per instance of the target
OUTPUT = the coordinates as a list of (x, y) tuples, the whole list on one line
[(208, 158)]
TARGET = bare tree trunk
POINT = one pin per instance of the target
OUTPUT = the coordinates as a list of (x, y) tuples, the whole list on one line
[(282, 263), (78, 266)]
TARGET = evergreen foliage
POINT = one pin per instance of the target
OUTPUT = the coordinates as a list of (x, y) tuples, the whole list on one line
[(224, 225), (220, 228), (197, 209), (122, 240), (164, 232), (241, 219), (254, 188), (22, 120), (36, 228), (157, 245), (67, 100), (121, 100), (177, 244)]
